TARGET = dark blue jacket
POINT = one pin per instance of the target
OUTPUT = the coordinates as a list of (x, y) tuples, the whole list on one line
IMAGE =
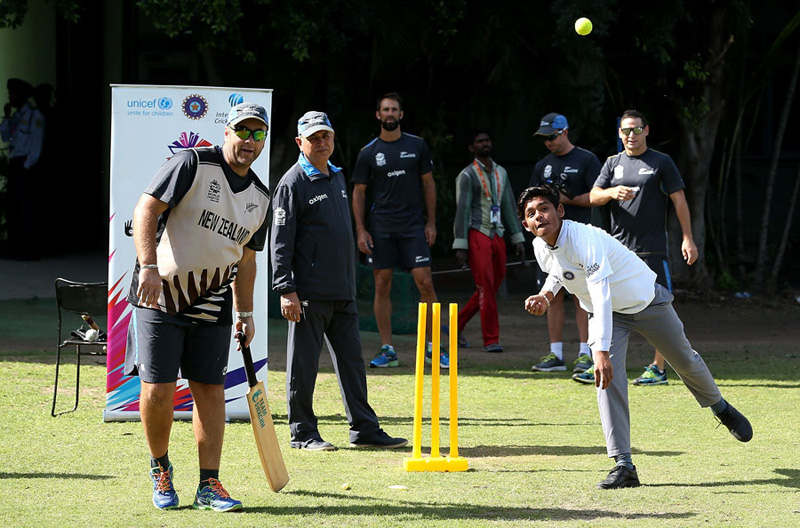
[(312, 246)]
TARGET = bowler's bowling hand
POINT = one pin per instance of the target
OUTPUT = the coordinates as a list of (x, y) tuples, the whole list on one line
[(7, 110), (536, 305), (603, 371)]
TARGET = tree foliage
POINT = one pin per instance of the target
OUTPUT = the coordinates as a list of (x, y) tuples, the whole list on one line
[(698, 70)]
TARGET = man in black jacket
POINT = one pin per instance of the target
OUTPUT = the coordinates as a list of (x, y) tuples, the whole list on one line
[(313, 262)]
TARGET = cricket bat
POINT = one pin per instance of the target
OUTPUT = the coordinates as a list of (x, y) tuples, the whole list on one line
[(263, 428)]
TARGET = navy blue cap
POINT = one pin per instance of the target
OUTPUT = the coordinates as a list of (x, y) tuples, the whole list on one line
[(551, 123)]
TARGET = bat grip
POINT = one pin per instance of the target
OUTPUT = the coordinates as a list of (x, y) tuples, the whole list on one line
[(249, 369)]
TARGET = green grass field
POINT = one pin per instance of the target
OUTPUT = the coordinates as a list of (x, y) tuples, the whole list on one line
[(534, 444)]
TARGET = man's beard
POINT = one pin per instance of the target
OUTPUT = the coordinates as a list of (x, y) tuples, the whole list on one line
[(485, 152), (388, 125)]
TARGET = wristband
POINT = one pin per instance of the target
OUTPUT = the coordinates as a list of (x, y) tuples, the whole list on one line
[(149, 266), (546, 299), (242, 315)]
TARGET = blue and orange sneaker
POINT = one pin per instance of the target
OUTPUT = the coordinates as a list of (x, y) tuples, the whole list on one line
[(214, 497), (385, 358), (164, 496), (444, 356)]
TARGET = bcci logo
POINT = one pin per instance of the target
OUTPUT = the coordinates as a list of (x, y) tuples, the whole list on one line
[(380, 159), (569, 275), (195, 106)]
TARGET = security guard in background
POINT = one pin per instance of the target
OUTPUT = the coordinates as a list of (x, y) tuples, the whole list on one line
[(24, 132)]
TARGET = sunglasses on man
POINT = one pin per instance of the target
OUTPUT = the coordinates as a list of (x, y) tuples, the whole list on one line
[(636, 130), (551, 137), (243, 133)]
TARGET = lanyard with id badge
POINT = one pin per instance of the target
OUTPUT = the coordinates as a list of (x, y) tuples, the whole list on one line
[(494, 212)]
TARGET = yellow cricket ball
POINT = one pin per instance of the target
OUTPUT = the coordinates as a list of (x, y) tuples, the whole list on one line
[(583, 26)]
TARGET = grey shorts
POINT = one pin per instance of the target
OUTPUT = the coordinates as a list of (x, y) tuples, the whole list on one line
[(160, 346), (406, 250)]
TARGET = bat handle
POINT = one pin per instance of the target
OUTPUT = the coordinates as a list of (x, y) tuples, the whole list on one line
[(249, 369)]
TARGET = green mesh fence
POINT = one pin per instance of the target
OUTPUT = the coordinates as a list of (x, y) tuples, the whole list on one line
[(405, 299)]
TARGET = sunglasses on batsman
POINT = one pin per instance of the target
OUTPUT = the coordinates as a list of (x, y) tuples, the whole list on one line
[(243, 133), (635, 130)]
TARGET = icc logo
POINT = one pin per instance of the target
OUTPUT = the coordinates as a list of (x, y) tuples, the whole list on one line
[(235, 99)]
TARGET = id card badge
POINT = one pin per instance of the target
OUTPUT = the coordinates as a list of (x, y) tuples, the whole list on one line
[(494, 215)]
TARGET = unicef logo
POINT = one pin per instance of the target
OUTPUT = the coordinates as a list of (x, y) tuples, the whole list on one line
[(165, 103), (235, 99), (195, 106)]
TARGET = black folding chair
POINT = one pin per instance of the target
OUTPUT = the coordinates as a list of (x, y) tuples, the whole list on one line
[(78, 298)]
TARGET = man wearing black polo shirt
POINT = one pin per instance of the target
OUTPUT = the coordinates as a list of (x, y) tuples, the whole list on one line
[(635, 184), (398, 166)]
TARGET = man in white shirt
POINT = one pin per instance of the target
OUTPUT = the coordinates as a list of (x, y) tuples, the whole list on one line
[(620, 293)]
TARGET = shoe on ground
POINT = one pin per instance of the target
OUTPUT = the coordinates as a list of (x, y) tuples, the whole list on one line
[(444, 356), (587, 376), (214, 497), (380, 441), (493, 348), (652, 376), (620, 477), (549, 363), (462, 341), (313, 444), (385, 358), (164, 496), (737, 424), (582, 364)]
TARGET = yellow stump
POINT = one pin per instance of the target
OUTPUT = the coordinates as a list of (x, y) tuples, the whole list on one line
[(435, 462)]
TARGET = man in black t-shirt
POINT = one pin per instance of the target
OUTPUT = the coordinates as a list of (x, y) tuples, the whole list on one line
[(398, 167), (638, 184), (572, 170)]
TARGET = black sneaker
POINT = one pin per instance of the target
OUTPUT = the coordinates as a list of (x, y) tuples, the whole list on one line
[(620, 477), (381, 441), (737, 424), (314, 444)]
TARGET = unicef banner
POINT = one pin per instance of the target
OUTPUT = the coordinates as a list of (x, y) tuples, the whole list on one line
[(150, 124)]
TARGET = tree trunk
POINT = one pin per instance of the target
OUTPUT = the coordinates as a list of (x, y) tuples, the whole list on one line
[(761, 263), (697, 148), (772, 282)]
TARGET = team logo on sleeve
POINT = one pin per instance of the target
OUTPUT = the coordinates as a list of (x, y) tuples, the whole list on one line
[(592, 269), (380, 159)]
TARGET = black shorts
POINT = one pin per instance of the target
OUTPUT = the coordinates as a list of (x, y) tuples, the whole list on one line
[(660, 266), (160, 346), (406, 250)]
